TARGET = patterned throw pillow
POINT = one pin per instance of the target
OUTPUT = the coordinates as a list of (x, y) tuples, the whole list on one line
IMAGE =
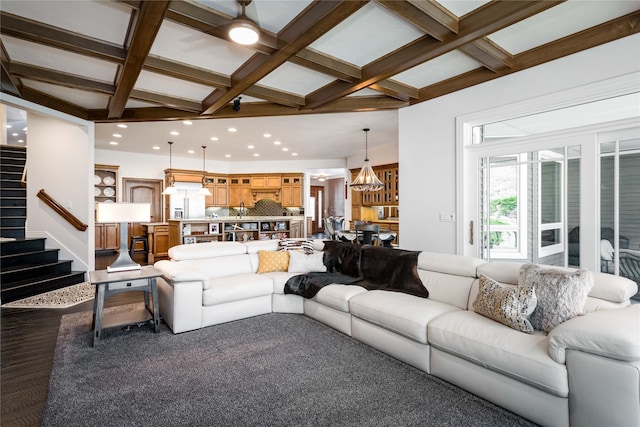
[(303, 245), (273, 261), (561, 294), (509, 305)]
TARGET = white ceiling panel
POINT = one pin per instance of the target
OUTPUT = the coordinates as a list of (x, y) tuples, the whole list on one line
[(188, 46), (59, 60), (366, 35), (157, 83), (442, 68), (102, 20), (559, 21), (89, 100), (295, 79), (461, 7)]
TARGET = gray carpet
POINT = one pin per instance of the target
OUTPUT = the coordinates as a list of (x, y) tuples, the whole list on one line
[(270, 370)]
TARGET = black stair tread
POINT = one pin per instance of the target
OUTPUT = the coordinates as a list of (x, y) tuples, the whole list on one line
[(25, 267), (18, 245), (28, 253), (43, 280)]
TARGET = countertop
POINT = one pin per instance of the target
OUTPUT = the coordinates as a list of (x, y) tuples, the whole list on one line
[(243, 219)]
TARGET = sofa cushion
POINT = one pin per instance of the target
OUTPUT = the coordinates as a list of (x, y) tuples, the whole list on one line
[(398, 312), (300, 262), (273, 261), (507, 304), (279, 279), (524, 357), (206, 250), (457, 265), (561, 294), (254, 246), (447, 288), (236, 288), (338, 296), (221, 266)]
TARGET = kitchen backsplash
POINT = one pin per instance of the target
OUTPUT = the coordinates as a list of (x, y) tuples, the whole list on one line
[(264, 207)]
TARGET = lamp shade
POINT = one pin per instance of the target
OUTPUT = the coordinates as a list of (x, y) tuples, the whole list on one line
[(123, 212)]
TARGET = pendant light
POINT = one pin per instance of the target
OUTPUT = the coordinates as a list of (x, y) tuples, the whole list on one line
[(171, 189), (243, 30), (204, 190), (366, 179)]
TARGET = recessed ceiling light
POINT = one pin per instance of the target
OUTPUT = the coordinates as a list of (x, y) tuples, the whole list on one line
[(117, 135), (14, 134), (277, 142), (285, 149), (113, 143), (256, 154), (233, 130), (174, 133), (187, 122), (21, 140), (214, 138), (294, 154), (122, 126), (190, 151), (24, 128), (8, 126), (251, 147), (155, 147), (267, 135), (227, 155)]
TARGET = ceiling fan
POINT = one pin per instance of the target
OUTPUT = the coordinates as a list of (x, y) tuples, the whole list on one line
[(243, 30)]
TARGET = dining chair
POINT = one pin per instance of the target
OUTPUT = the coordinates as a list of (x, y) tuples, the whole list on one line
[(367, 234), (329, 230)]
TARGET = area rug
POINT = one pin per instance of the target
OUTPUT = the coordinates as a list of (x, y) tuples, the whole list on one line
[(60, 298), (269, 370)]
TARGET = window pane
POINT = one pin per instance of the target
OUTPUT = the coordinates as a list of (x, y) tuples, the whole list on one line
[(630, 145), (573, 211), (550, 192), (629, 217), (550, 237)]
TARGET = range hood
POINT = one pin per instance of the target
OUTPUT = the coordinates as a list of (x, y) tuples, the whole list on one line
[(265, 193)]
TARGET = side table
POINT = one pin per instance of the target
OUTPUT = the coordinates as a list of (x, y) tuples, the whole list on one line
[(108, 284)]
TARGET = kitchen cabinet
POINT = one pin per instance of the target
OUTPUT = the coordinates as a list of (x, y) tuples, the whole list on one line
[(107, 236), (265, 181), (291, 190), (240, 191), (158, 238), (388, 196), (219, 188)]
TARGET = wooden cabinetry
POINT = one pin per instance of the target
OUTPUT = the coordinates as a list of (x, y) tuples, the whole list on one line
[(107, 235), (219, 188), (389, 194), (158, 239), (265, 181), (291, 190), (240, 191)]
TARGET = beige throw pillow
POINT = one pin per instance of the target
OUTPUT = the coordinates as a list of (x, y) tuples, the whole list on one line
[(509, 305), (561, 294)]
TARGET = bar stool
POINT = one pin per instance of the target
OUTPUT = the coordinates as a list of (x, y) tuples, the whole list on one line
[(136, 239)]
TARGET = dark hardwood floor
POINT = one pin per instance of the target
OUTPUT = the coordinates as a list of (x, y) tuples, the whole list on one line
[(27, 346)]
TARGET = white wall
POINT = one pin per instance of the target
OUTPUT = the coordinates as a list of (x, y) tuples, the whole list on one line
[(427, 134), (57, 156)]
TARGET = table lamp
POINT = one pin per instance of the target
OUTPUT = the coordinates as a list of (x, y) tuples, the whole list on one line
[(123, 213)]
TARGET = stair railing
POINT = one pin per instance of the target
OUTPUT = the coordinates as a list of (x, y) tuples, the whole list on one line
[(61, 210)]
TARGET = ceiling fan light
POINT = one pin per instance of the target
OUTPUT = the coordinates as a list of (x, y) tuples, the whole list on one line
[(244, 31)]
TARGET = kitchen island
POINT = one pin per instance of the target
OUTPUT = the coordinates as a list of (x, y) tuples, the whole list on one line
[(234, 228)]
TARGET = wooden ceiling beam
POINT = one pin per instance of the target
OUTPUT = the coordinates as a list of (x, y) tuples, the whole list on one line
[(485, 20), (186, 72), (276, 96), (326, 64), (146, 27), (318, 18), (396, 89), (47, 35), (488, 54), (8, 82), (166, 101), (445, 24), (60, 78), (586, 39)]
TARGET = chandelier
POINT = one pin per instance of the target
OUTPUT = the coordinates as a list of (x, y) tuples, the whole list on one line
[(366, 179)]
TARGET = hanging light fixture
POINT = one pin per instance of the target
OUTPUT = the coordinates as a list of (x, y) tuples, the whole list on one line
[(243, 30), (204, 190), (171, 189), (366, 179)]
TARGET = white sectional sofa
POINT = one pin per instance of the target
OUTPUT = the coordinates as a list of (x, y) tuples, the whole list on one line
[(585, 372)]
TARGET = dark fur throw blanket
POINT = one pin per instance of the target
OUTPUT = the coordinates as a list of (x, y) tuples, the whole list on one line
[(372, 267)]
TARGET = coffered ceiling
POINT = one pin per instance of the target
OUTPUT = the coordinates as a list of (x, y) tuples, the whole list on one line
[(140, 61)]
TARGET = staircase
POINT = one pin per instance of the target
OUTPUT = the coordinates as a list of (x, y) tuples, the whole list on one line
[(26, 267), (13, 196)]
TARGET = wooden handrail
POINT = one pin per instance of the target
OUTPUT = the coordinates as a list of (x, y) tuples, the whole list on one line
[(61, 210)]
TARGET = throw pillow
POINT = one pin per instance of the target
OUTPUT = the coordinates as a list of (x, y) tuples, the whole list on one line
[(561, 294), (273, 261), (302, 263), (509, 305), (303, 245)]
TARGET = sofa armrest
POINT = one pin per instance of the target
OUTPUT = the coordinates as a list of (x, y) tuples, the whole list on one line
[(175, 272), (609, 333)]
